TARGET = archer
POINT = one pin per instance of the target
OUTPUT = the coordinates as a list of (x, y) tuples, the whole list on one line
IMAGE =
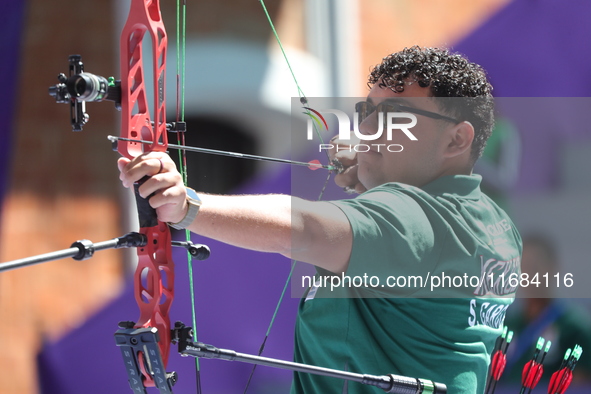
[(420, 212)]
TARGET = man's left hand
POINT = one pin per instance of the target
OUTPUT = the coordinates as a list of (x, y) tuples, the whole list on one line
[(163, 184)]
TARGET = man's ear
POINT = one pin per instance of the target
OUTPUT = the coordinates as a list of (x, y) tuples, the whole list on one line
[(461, 139)]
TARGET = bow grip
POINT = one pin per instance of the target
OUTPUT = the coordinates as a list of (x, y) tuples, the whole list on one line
[(146, 214)]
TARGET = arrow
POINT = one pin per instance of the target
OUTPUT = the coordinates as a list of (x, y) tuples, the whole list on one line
[(313, 164), (533, 370), (499, 360)]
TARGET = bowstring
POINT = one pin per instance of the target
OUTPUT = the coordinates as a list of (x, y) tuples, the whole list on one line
[(181, 18), (304, 102)]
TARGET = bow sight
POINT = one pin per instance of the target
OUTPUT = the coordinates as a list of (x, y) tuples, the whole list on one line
[(80, 87)]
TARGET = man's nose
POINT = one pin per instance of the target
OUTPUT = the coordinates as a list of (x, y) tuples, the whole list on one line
[(372, 125)]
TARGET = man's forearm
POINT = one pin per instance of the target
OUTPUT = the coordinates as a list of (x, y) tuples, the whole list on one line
[(258, 222), (314, 232)]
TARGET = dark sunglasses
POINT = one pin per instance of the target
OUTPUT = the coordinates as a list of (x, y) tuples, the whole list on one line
[(365, 108)]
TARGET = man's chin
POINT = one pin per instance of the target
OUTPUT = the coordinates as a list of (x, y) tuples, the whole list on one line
[(369, 183)]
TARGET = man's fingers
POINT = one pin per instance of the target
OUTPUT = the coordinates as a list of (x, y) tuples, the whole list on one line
[(342, 150), (148, 164), (122, 162), (171, 196), (349, 181), (170, 204), (347, 178), (161, 183), (161, 160), (346, 158)]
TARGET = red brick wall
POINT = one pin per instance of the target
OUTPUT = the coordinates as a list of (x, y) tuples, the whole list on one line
[(63, 187)]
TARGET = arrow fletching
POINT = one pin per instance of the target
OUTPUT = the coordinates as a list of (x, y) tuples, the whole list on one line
[(314, 165)]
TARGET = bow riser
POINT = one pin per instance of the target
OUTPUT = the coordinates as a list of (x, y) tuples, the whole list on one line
[(145, 344), (144, 17), (154, 275)]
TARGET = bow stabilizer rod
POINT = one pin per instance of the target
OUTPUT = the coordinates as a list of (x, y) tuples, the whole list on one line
[(85, 249), (394, 384)]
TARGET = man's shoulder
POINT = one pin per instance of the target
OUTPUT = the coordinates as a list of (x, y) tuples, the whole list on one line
[(396, 190)]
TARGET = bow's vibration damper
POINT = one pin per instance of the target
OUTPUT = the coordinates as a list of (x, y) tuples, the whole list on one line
[(85, 249), (197, 251)]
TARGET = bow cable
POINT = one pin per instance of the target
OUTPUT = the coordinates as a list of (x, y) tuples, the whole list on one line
[(181, 28), (304, 102)]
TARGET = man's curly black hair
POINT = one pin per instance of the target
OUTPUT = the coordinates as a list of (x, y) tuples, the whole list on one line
[(447, 75)]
